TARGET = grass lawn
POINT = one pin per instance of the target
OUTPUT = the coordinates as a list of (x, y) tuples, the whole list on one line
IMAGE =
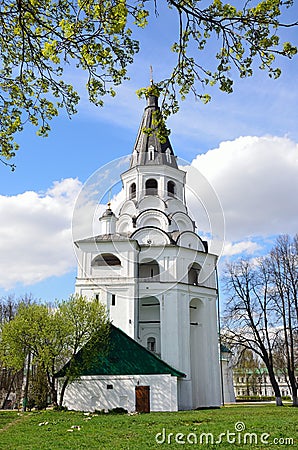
[(267, 427)]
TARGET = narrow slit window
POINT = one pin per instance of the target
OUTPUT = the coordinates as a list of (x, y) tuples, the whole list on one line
[(151, 153), (132, 190), (171, 189), (151, 344)]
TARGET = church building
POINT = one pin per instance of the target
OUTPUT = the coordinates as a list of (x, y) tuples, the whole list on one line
[(154, 274)]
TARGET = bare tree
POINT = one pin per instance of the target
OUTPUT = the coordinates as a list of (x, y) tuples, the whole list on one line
[(250, 316), (262, 310), (282, 267)]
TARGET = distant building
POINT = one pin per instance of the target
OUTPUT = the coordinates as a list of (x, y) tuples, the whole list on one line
[(251, 382)]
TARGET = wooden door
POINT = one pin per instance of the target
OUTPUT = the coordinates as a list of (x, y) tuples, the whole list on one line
[(143, 399)]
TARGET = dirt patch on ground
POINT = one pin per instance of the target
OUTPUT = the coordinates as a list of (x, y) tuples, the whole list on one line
[(20, 418)]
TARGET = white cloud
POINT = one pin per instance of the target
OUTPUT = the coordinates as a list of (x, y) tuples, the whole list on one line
[(35, 234), (248, 247), (103, 185), (256, 179)]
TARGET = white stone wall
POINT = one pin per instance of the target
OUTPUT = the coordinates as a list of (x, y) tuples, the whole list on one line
[(182, 299), (90, 392), (227, 380)]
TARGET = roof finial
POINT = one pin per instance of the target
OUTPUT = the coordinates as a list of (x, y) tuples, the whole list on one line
[(151, 76), (109, 199)]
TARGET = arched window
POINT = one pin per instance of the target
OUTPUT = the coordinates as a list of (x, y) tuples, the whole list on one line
[(132, 190), (193, 274), (151, 153), (105, 259), (168, 155), (151, 187), (151, 344), (171, 188), (149, 270)]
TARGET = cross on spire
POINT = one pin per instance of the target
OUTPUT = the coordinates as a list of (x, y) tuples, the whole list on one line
[(151, 75)]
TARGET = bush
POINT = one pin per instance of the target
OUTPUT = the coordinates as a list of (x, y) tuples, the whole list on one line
[(258, 398), (38, 390), (60, 408), (117, 410)]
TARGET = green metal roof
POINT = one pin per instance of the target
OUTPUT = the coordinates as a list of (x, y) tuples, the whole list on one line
[(125, 356), (224, 349)]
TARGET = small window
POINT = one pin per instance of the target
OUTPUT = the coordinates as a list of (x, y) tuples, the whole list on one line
[(171, 188), (151, 344), (132, 190), (110, 386), (151, 187), (113, 300), (97, 297), (151, 153), (168, 155)]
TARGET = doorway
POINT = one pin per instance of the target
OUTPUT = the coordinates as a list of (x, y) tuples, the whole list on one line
[(143, 399)]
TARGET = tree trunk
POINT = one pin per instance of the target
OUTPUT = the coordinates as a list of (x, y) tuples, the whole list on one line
[(25, 399), (65, 383), (293, 384), (52, 384), (275, 386), (9, 390), (54, 394)]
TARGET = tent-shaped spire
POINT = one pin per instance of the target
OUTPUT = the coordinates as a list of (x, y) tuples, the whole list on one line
[(148, 150)]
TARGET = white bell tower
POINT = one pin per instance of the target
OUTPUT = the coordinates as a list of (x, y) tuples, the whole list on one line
[(154, 273)]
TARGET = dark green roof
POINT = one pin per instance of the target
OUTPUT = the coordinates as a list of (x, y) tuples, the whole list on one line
[(224, 349), (125, 356)]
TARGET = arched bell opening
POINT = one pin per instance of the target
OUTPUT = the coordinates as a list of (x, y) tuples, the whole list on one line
[(151, 187), (132, 191), (197, 350), (149, 323), (149, 270), (105, 259), (171, 188), (193, 274)]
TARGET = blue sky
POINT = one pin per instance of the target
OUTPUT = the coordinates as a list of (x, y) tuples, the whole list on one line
[(244, 143)]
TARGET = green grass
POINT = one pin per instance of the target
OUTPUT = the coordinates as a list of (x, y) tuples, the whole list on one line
[(113, 432)]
